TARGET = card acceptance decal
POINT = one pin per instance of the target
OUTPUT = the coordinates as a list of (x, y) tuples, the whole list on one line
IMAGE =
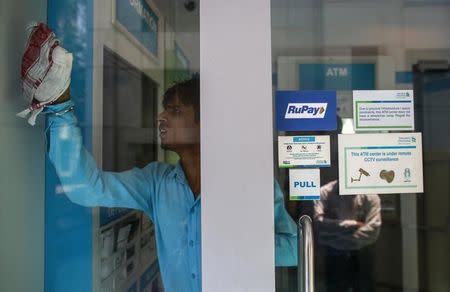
[(306, 110)]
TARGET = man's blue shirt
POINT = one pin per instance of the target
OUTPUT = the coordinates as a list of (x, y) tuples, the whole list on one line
[(161, 191)]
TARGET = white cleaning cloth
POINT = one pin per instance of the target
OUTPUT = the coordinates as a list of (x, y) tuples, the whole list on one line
[(46, 69)]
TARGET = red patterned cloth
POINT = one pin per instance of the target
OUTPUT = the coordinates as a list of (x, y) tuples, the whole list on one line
[(37, 58), (45, 71)]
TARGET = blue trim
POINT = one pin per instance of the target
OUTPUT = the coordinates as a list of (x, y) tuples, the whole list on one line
[(403, 77), (304, 198), (437, 85), (68, 227), (322, 76), (303, 139), (309, 166), (314, 165), (389, 147), (139, 19), (390, 101)]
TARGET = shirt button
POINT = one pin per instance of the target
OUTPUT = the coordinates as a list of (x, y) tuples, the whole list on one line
[(193, 276), (191, 243)]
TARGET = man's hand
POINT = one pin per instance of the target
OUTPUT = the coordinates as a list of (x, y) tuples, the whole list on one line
[(360, 224), (349, 224)]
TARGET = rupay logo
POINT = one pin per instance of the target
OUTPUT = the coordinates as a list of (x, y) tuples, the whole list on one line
[(306, 111)]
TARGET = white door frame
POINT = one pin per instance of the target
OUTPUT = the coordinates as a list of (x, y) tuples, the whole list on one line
[(237, 153)]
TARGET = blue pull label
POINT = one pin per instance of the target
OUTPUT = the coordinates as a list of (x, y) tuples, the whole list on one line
[(304, 184)]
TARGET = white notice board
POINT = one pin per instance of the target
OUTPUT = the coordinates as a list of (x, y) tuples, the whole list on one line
[(383, 110), (380, 163), (304, 151)]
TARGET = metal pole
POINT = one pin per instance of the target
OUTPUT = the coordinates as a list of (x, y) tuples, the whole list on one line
[(305, 270)]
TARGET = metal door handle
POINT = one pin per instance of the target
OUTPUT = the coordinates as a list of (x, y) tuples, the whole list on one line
[(305, 270)]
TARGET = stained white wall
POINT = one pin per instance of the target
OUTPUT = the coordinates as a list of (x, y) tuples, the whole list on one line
[(237, 154), (22, 173)]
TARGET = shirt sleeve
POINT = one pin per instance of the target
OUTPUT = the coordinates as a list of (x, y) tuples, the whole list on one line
[(285, 232), (369, 232), (82, 181), (327, 227)]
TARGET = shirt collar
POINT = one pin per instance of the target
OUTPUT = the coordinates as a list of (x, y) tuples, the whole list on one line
[(179, 173)]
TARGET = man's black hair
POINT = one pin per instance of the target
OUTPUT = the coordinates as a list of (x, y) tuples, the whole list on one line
[(188, 91)]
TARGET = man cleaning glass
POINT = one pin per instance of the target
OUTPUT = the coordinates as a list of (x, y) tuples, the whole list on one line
[(169, 194)]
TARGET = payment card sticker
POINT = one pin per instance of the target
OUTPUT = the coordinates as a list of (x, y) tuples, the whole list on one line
[(303, 151), (304, 184), (380, 163), (306, 110), (383, 110)]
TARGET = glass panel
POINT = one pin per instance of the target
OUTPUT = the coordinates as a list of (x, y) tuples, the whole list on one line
[(103, 192), (22, 168), (376, 240)]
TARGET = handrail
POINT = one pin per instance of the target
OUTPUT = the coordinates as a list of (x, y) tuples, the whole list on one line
[(305, 271)]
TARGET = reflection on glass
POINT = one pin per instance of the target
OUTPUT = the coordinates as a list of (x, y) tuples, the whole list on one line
[(168, 194), (285, 232), (347, 227)]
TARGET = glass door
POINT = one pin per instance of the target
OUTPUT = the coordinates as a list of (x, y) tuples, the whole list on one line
[(376, 228)]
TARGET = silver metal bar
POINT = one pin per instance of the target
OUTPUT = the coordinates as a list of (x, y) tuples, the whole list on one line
[(305, 270)]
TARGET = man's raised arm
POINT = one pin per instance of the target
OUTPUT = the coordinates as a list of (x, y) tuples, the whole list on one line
[(81, 180)]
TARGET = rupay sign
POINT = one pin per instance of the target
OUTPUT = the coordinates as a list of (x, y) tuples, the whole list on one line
[(306, 110)]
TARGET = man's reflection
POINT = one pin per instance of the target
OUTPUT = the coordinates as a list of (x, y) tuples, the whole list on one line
[(347, 227), (347, 222)]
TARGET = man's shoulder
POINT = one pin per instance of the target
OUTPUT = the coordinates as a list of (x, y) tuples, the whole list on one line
[(159, 169), (329, 189), (372, 199)]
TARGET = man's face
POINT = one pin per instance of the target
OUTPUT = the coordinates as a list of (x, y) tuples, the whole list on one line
[(177, 126)]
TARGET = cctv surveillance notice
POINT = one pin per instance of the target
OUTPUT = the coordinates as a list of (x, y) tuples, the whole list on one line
[(380, 163), (303, 151), (306, 110), (382, 110)]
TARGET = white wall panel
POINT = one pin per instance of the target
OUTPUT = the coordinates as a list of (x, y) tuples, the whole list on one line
[(237, 154)]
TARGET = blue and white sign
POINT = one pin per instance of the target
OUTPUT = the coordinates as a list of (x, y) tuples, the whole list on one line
[(380, 163), (303, 151), (336, 76), (140, 21), (304, 184), (306, 110)]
